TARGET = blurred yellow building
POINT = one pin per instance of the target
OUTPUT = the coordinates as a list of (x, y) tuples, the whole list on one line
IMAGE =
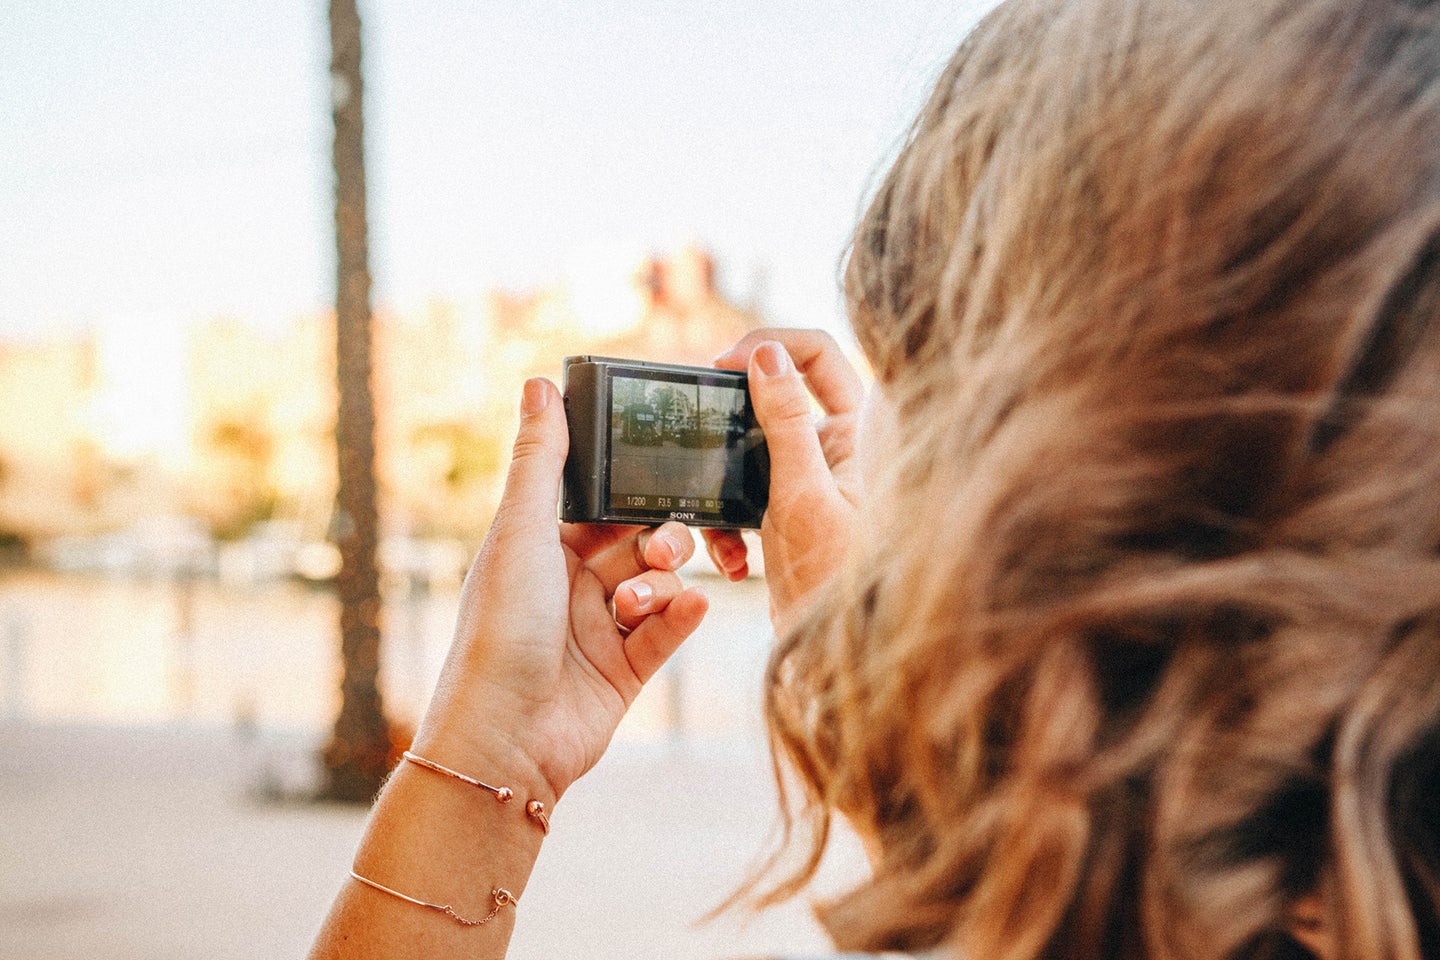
[(253, 410)]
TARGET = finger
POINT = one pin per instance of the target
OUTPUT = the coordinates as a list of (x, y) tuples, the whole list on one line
[(532, 487), (649, 593), (588, 539), (837, 437), (672, 549), (782, 407), (660, 635), (728, 552), (598, 638), (665, 547), (818, 357)]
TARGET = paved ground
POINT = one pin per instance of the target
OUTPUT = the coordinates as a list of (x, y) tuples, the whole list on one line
[(122, 845)]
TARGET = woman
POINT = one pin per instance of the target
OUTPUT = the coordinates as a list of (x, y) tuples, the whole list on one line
[(1131, 646)]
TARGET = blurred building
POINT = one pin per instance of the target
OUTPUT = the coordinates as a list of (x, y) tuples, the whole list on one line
[(259, 407), (51, 470)]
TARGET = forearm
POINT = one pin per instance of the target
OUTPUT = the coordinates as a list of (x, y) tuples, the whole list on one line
[(443, 841), (537, 680)]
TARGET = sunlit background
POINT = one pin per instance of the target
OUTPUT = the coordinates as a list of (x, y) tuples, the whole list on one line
[(645, 179)]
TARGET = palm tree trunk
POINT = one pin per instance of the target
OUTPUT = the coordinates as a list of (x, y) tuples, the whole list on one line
[(357, 757)]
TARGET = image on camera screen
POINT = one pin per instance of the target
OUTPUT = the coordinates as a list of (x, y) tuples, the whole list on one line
[(676, 445)]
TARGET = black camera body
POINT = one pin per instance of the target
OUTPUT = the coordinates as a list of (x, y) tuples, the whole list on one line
[(651, 442)]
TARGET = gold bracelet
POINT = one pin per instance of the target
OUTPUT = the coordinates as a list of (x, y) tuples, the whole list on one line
[(535, 809), (500, 895)]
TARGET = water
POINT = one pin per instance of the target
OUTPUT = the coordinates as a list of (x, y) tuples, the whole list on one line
[(137, 651)]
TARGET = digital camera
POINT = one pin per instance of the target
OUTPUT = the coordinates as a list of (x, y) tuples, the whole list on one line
[(651, 442)]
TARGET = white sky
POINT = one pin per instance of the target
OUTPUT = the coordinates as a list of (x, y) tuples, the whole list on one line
[(163, 161)]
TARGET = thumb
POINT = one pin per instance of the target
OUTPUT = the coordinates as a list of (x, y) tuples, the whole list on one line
[(532, 487), (782, 406)]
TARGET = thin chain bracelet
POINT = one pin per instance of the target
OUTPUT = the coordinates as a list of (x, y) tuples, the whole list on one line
[(500, 895), (534, 809)]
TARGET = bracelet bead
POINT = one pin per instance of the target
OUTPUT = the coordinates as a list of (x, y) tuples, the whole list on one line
[(534, 809)]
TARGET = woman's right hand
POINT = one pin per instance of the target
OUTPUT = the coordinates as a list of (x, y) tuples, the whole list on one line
[(814, 468)]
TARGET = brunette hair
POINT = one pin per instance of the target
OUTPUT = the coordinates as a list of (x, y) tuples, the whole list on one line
[(1139, 641)]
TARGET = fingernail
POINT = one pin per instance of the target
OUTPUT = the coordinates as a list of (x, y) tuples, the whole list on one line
[(668, 547), (643, 594), (728, 559), (535, 398), (772, 360)]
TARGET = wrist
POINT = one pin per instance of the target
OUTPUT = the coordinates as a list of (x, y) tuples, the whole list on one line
[(491, 756), (440, 841)]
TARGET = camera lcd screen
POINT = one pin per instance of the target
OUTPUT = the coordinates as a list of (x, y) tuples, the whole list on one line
[(677, 445), (651, 442)]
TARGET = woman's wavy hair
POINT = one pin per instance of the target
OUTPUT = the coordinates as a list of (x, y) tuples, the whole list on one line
[(1138, 643)]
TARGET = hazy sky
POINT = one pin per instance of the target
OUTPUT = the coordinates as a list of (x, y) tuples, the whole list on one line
[(163, 161)]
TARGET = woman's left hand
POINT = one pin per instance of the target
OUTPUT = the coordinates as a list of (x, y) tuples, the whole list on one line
[(542, 667)]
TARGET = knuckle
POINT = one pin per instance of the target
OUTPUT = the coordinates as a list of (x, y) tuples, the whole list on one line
[(790, 409), (528, 445)]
